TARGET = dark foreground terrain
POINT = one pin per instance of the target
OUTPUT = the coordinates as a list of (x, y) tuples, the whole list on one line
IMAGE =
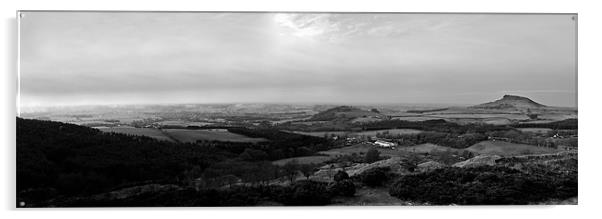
[(67, 165)]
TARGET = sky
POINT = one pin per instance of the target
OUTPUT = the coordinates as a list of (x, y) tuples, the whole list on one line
[(97, 58)]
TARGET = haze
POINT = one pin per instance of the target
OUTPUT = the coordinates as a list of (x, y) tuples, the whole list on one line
[(83, 58)]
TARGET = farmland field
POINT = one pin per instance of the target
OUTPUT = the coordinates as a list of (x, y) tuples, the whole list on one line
[(363, 133), (414, 118), (503, 148), (191, 136), (482, 116), (149, 132), (303, 160), (182, 123), (391, 132), (360, 149), (535, 130), (426, 148)]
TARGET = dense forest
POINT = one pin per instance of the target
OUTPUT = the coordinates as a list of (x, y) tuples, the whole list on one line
[(63, 160)]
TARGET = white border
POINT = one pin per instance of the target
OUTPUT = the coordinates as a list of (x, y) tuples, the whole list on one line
[(589, 107)]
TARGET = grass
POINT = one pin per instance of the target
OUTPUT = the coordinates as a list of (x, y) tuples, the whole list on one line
[(303, 160), (188, 135), (363, 133), (426, 148), (149, 132), (183, 123), (358, 149), (361, 149), (415, 118), (535, 130), (503, 148)]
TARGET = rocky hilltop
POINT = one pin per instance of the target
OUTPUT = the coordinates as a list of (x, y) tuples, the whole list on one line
[(511, 102)]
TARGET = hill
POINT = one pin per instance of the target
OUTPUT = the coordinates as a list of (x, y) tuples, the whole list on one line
[(65, 159), (511, 102), (344, 113)]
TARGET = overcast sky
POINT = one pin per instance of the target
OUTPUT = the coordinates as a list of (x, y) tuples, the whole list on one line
[(125, 58)]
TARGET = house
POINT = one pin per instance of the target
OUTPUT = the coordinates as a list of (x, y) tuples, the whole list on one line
[(557, 135), (384, 144), (498, 139)]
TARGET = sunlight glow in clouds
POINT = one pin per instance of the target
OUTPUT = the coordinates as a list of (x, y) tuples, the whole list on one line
[(305, 29)]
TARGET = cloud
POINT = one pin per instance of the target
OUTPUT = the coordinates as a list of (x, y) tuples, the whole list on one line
[(324, 57)]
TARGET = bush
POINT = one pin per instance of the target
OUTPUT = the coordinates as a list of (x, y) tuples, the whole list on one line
[(341, 175), (375, 177), (253, 155), (484, 186), (343, 187), (372, 156), (308, 193)]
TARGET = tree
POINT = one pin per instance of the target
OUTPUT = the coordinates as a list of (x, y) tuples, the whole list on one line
[(372, 156), (229, 180), (375, 176), (411, 162), (253, 155), (340, 176), (343, 187), (304, 151), (308, 193), (307, 170), (290, 169)]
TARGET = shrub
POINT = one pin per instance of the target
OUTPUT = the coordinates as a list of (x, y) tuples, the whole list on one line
[(308, 193), (253, 155), (343, 187), (484, 186), (341, 175), (375, 177), (372, 156)]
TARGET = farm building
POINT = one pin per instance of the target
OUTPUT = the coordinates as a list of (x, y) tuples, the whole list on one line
[(384, 144), (498, 139)]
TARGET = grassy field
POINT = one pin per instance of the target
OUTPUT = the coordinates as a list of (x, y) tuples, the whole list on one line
[(513, 116), (535, 130), (391, 132), (361, 149), (365, 120), (497, 121), (149, 132), (426, 148), (358, 149), (303, 160), (363, 133), (182, 123), (415, 118), (187, 135), (503, 148)]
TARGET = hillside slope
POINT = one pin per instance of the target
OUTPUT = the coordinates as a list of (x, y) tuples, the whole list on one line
[(511, 102), (67, 159), (344, 113)]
